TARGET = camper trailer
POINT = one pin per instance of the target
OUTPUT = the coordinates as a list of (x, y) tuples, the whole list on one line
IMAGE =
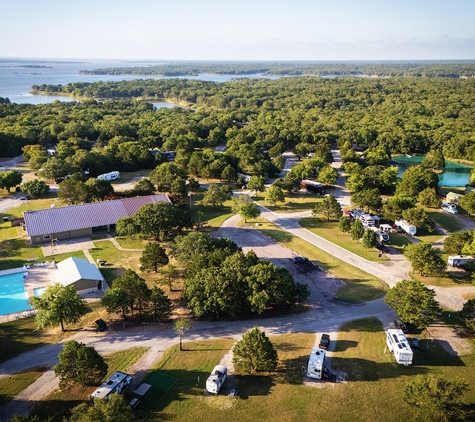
[(313, 186), (216, 379), (113, 175), (315, 363), (460, 260), (118, 383), (381, 236), (406, 227), (398, 345)]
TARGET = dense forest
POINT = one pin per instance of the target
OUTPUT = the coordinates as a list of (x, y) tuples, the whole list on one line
[(257, 119), (442, 69)]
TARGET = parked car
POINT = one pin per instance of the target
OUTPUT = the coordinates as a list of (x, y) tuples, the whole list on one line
[(324, 341), (399, 324), (449, 208), (380, 246)]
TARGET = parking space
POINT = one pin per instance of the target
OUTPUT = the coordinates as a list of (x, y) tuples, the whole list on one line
[(67, 245)]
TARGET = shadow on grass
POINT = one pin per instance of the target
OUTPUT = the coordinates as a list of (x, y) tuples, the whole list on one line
[(370, 325), (54, 409), (342, 345)]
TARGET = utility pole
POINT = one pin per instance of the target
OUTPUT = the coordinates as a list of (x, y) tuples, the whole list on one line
[(52, 247)]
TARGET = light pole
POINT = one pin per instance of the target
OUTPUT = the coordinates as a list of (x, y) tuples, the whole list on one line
[(52, 247)]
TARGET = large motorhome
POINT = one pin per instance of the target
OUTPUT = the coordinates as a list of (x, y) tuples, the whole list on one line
[(216, 379), (118, 383), (381, 235), (406, 227), (313, 186), (398, 345), (113, 175), (460, 260), (315, 363)]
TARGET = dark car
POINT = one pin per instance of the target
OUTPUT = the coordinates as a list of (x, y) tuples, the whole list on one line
[(401, 325), (380, 246), (324, 341)]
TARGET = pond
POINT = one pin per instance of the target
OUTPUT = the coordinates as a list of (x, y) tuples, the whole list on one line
[(455, 174)]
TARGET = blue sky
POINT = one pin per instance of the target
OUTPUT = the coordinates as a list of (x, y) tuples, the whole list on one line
[(238, 30)]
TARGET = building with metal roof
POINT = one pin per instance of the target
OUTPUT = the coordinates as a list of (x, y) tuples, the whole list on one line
[(58, 223), (80, 273)]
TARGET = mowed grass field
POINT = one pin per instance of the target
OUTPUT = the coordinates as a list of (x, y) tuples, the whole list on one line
[(373, 391)]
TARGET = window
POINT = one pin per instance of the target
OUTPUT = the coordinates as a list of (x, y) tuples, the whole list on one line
[(46, 237)]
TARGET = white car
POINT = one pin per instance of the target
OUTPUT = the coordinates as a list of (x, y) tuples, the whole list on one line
[(449, 208)]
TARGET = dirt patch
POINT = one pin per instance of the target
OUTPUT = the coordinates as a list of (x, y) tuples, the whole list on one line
[(450, 339)]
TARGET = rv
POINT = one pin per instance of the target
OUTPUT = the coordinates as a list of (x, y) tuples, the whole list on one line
[(381, 236), (118, 383), (113, 175), (368, 220), (216, 379), (460, 260), (406, 227), (315, 363), (313, 186), (398, 345)]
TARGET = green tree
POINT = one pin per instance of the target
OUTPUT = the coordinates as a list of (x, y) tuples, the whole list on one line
[(467, 203), (229, 173), (9, 179), (214, 196), (135, 287), (113, 409), (190, 245), (58, 305), (169, 274), (367, 199), (80, 364), (158, 306), (455, 242), (182, 326), (144, 187), (274, 194), (415, 179), (357, 230), (425, 259), (419, 217), (437, 397), (245, 207), (369, 239), (117, 301), (257, 183), (434, 160), (35, 188), (467, 314), (344, 224), (393, 208), (413, 302), (72, 191), (290, 182), (254, 353), (153, 257), (329, 208), (98, 189), (55, 169), (168, 177), (429, 198), (327, 175)]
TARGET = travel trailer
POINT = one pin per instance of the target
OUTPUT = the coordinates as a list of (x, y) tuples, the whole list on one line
[(460, 260), (118, 383), (216, 379), (113, 175), (406, 227), (315, 363), (381, 235), (398, 345)]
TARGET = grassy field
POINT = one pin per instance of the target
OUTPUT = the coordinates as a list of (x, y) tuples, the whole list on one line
[(12, 385), (448, 221), (293, 203), (360, 286), (59, 403), (329, 230), (374, 390)]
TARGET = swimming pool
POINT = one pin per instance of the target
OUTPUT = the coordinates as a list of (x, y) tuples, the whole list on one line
[(13, 297)]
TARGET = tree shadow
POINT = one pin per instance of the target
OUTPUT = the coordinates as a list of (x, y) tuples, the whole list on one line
[(342, 345), (369, 325)]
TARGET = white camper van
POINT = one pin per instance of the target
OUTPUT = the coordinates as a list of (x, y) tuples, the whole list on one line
[(398, 345), (460, 260), (315, 363), (216, 379)]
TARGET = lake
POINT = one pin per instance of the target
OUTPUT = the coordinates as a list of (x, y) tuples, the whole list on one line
[(455, 174), (17, 76)]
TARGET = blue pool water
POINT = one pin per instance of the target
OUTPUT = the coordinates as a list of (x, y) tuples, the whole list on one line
[(39, 291), (13, 297)]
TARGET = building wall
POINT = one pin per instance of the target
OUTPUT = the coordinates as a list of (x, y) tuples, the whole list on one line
[(61, 236), (85, 284)]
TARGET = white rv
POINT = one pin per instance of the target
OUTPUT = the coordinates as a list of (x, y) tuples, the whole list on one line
[(381, 235), (113, 175), (216, 379), (460, 260), (406, 226), (398, 345), (315, 363)]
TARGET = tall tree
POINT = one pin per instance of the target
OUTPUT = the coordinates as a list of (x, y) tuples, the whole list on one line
[(9, 179), (413, 302), (274, 194), (35, 188), (214, 196), (467, 203), (182, 326), (415, 179), (81, 364), (437, 397), (245, 207), (72, 191), (117, 301), (153, 257), (257, 184), (329, 208), (357, 230), (58, 305), (113, 409), (254, 353), (158, 306), (369, 239), (327, 175), (429, 198), (344, 224), (425, 259)]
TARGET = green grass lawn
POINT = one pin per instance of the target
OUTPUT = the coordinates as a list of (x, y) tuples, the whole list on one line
[(329, 230), (293, 203), (360, 286), (12, 385), (14, 253), (33, 205), (127, 176), (449, 222), (59, 403), (374, 390), (213, 216)]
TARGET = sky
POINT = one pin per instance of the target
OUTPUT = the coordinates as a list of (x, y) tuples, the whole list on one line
[(238, 30)]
